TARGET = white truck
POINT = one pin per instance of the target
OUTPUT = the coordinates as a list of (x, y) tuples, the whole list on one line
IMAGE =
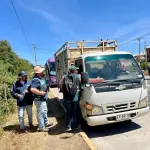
[(114, 87)]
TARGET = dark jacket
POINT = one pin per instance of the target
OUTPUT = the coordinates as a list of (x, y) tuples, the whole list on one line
[(19, 88)]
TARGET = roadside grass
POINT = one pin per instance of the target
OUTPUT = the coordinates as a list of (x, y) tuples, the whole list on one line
[(7, 109)]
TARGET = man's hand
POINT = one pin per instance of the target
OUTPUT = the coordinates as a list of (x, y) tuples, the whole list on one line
[(26, 91), (20, 96), (38, 92), (43, 93)]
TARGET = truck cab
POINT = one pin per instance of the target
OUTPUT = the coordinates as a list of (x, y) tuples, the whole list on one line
[(115, 90)]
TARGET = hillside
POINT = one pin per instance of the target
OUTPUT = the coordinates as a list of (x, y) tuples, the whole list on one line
[(10, 65)]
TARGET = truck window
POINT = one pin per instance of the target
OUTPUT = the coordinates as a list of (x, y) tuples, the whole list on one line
[(111, 67), (79, 64), (52, 68), (46, 71)]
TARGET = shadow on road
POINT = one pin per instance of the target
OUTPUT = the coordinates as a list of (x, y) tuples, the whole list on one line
[(54, 108), (57, 129), (111, 129), (15, 128)]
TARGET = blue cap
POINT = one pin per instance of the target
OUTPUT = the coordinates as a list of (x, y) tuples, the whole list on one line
[(22, 73)]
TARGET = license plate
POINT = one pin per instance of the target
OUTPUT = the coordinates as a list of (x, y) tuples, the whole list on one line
[(122, 117)]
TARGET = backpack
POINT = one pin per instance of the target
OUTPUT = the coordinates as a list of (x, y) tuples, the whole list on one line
[(70, 83)]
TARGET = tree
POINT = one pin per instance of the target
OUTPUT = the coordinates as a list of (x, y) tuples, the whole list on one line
[(9, 57), (25, 65)]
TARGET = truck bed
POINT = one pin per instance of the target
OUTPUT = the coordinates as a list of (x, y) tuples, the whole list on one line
[(67, 54)]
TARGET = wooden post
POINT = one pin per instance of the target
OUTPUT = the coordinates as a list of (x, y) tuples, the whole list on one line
[(103, 46), (82, 48)]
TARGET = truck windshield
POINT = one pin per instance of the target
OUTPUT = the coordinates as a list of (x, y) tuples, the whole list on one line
[(52, 68), (113, 67)]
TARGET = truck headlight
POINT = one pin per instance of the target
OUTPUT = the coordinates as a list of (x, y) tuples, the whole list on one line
[(143, 103), (93, 110)]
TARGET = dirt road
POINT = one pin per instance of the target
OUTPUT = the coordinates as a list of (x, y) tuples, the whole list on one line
[(55, 139)]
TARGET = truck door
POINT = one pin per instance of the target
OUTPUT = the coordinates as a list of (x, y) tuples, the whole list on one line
[(79, 63)]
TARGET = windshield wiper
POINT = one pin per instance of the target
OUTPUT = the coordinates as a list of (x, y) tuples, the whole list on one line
[(118, 81), (106, 83), (137, 80), (134, 80)]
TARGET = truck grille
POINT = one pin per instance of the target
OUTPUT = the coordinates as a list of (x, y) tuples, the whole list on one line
[(132, 105), (120, 107)]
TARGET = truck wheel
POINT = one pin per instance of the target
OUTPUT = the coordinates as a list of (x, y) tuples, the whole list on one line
[(84, 124)]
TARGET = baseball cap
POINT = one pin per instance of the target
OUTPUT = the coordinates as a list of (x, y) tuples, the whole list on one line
[(73, 68), (22, 73)]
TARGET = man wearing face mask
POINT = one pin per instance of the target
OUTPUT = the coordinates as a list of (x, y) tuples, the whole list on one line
[(40, 95), (19, 91)]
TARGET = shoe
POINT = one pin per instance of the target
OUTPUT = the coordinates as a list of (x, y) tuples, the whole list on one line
[(78, 128), (31, 126), (48, 125), (42, 130), (68, 130), (22, 130)]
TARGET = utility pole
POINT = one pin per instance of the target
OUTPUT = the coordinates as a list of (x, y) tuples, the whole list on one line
[(145, 51), (139, 40), (34, 48)]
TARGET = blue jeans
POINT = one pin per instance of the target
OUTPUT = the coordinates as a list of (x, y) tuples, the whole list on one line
[(21, 115), (42, 110)]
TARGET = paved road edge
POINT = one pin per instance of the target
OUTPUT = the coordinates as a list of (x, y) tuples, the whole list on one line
[(82, 133)]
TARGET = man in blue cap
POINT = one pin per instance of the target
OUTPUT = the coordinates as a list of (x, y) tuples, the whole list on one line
[(69, 85), (19, 91)]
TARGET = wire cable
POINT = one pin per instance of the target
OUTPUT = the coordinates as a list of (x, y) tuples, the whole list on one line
[(23, 31), (140, 37)]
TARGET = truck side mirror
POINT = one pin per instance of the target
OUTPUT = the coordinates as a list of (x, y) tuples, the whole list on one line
[(149, 70), (84, 77)]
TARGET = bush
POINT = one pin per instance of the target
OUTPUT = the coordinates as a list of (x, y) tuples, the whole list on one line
[(6, 107), (7, 104), (144, 65), (10, 65)]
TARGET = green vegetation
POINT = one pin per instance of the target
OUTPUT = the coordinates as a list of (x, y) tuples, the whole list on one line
[(144, 65), (10, 65)]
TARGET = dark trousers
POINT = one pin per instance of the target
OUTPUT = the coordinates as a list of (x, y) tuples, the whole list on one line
[(72, 111), (69, 113), (75, 114)]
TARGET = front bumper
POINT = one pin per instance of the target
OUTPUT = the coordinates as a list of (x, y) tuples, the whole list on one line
[(111, 118), (52, 82)]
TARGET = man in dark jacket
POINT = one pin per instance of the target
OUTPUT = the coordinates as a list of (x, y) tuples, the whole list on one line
[(19, 91), (71, 102)]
